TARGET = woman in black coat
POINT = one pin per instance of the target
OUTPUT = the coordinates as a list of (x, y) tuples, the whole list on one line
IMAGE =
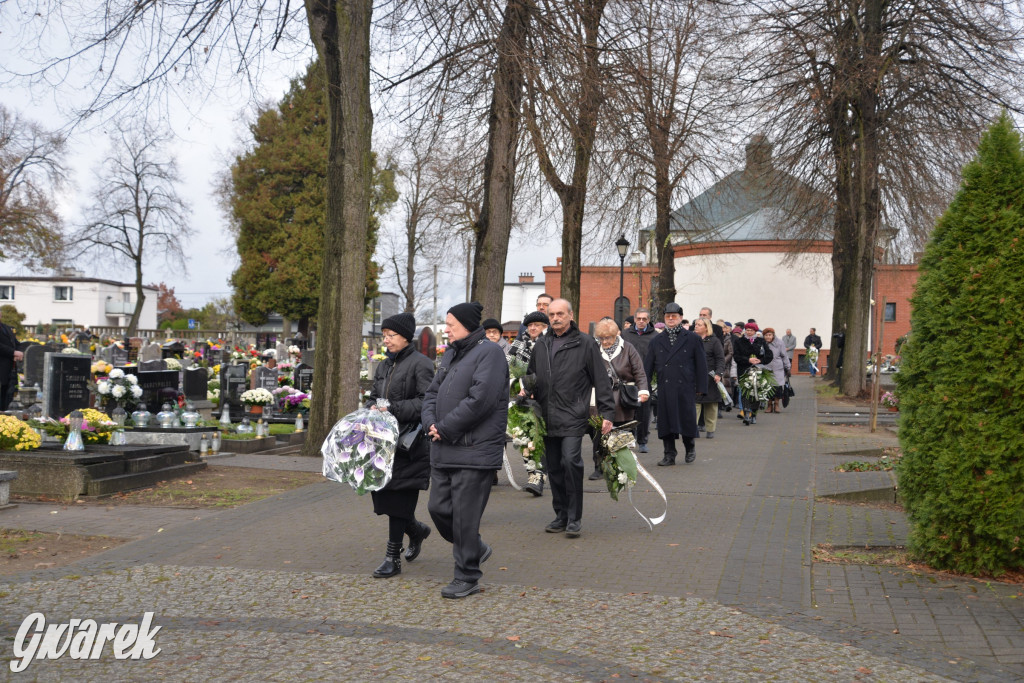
[(402, 379), (715, 357), (749, 350)]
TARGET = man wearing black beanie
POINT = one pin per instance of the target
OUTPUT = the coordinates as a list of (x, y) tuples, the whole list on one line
[(465, 413)]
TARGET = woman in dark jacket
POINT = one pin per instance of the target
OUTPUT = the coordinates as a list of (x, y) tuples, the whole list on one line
[(708, 403), (750, 350), (402, 380), (623, 363)]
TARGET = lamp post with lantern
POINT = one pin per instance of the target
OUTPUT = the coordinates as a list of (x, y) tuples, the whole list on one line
[(622, 303)]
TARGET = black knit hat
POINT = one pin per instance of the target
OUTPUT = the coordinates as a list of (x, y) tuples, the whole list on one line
[(536, 317), (468, 314), (492, 324), (403, 324)]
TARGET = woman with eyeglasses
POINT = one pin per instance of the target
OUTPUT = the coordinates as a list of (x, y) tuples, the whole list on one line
[(624, 366), (403, 379), (779, 366)]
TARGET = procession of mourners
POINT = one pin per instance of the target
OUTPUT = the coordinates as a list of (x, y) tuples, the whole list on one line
[(534, 393)]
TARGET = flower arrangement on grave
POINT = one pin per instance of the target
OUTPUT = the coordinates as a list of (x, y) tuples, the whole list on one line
[(16, 435), (364, 352), (96, 426), (360, 449), (173, 363), (290, 400), (294, 351), (889, 400), (119, 387), (525, 424), (757, 384), (71, 349), (284, 381), (101, 368), (257, 397)]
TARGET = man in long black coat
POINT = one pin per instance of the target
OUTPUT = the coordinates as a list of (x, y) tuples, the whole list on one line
[(676, 358), (9, 357)]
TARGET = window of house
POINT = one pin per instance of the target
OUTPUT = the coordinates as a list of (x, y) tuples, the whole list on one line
[(126, 297), (63, 293), (890, 312), (6, 292)]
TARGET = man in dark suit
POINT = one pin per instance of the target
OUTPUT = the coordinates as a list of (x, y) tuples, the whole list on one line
[(9, 357), (676, 357), (640, 336)]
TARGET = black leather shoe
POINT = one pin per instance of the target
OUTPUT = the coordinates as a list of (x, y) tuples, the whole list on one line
[(416, 542), (691, 454), (459, 589), (556, 526), (667, 461), (392, 564), (710, 435), (572, 530), (595, 475), (643, 448)]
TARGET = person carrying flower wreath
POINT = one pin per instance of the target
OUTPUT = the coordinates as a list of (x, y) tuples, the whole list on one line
[(402, 379), (535, 324), (750, 351)]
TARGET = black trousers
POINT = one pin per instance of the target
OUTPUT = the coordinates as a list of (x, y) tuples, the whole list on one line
[(564, 464), (643, 419), (457, 501), (669, 443)]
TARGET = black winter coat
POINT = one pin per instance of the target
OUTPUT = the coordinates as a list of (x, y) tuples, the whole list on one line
[(743, 349), (714, 356), (640, 341), (682, 372), (564, 383), (468, 403), (404, 381)]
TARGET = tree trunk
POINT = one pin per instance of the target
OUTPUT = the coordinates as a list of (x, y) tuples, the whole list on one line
[(340, 29), (411, 227), (494, 226), (662, 236), (140, 298)]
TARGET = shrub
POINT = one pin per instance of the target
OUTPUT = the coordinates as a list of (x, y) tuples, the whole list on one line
[(960, 384)]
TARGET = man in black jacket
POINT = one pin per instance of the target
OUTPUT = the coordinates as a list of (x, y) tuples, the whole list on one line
[(814, 340), (465, 413), (640, 336), (9, 357), (567, 366)]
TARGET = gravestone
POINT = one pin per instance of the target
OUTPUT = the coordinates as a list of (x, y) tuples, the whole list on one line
[(308, 356), (186, 363), (150, 351), (215, 357), (195, 383), (172, 349), (34, 358), (426, 342), (233, 383), (282, 352), (266, 378), (303, 377), (158, 386), (153, 365), (202, 349), (106, 354), (65, 383), (134, 349), (119, 356)]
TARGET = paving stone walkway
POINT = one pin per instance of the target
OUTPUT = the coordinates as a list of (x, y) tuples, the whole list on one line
[(725, 589)]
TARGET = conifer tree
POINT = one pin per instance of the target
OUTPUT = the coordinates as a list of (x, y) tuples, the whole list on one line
[(961, 384)]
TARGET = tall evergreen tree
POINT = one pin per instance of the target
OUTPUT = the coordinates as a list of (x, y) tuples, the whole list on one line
[(961, 396), (278, 200)]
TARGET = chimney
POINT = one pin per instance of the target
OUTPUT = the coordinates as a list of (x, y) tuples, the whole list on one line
[(759, 154), (525, 277)]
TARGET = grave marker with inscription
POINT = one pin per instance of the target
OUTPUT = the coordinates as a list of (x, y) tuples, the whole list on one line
[(194, 382), (233, 383), (34, 359), (65, 383), (158, 386), (303, 377)]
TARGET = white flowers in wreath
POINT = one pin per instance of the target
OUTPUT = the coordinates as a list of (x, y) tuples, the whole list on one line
[(257, 397)]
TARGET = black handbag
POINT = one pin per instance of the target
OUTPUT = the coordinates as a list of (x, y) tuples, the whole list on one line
[(787, 392), (409, 438), (629, 395)]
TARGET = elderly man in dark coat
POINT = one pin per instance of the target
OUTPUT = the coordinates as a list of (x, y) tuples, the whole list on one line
[(465, 413), (676, 358)]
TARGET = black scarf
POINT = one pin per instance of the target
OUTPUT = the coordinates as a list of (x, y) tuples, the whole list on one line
[(673, 332)]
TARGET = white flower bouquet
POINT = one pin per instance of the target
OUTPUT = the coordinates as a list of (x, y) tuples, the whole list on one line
[(619, 464), (360, 450), (119, 387), (758, 385), (257, 397), (173, 363)]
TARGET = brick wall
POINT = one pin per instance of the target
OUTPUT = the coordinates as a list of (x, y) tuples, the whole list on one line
[(599, 288), (894, 284)]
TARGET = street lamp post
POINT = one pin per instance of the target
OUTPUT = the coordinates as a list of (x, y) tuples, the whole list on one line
[(622, 303)]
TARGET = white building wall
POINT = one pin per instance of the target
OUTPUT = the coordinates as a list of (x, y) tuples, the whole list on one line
[(518, 299), (739, 286), (34, 298)]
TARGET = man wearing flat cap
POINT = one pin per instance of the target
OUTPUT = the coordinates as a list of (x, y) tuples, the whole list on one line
[(676, 358), (465, 413)]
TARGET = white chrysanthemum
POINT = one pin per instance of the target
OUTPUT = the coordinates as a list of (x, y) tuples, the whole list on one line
[(117, 391), (103, 388), (131, 379), (116, 373), (136, 391), (623, 478)]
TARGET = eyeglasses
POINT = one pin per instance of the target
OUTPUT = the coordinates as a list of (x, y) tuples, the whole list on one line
[(607, 338), (389, 337)]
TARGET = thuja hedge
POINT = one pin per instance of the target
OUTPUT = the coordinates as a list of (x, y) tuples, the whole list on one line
[(961, 381)]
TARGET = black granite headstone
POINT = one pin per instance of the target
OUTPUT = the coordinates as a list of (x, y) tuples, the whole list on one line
[(308, 357), (303, 377), (203, 349), (65, 383), (195, 383), (173, 349), (233, 383), (157, 386), (215, 357), (119, 356), (34, 357)]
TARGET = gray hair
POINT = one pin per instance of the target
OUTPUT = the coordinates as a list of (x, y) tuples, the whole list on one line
[(642, 310), (567, 304)]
